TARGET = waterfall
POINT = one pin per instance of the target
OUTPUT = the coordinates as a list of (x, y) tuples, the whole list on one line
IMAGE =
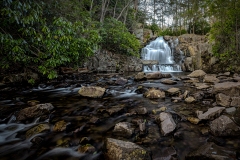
[(160, 51)]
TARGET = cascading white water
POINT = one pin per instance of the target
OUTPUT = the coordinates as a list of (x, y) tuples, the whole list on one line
[(160, 51)]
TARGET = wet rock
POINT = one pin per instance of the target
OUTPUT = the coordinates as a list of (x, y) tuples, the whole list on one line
[(227, 88), (168, 153), (223, 100), (185, 94), (94, 120), (224, 126), (235, 101), (173, 91), (154, 75), (124, 129), (141, 110), (162, 109), (88, 148), (193, 120), (212, 151), (140, 76), (192, 80), (190, 99), (119, 150), (37, 129), (211, 113), (201, 85), (198, 95), (60, 126), (176, 99), (154, 93), (35, 111), (33, 102), (230, 110), (197, 74), (121, 81), (168, 81), (91, 91), (141, 90), (204, 131), (211, 78), (166, 122)]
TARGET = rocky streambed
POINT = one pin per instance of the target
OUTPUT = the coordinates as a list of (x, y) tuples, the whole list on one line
[(142, 116)]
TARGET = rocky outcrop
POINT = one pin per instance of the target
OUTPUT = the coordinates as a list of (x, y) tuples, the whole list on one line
[(35, 111), (224, 126), (119, 150), (105, 61), (91, 91)]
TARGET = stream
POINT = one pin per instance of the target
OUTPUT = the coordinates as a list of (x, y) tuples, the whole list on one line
[(89, 121)]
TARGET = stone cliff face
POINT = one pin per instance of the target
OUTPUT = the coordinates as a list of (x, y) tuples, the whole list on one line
[(197, 51)]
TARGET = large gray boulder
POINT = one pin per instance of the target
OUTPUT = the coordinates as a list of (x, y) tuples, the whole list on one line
[(227, 88), (35, 111), (211, 113), (123, 150), (166, 122), (224, 126), (91, 91)]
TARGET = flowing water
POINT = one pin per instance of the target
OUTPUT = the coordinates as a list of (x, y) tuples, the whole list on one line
[(163, 53), (78, 112)]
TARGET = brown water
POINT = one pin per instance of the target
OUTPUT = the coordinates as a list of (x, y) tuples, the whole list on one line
[(77, 111)]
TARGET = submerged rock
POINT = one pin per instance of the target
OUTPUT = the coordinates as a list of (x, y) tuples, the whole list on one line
[(211, 113), (224, 126), (124, 129), (88, 148), (91, 91), (119, 150), (60, 126), (197, 74), (154, 93), (212, 151), (166, 122), (37, 129), (34, 112), (193, 120)]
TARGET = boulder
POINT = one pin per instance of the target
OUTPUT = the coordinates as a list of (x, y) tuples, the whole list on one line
[(224, 126), (197, 74), (91, 91), (212, 151), (119, 150), (168, 81), (35, 111), (235, 102), (121, 81), (154, 93), (211, 113), (140, 76), (190, 99), (211, 78), (166, 122), (228, 88), (223, 100), (154, 75), (124, 129)]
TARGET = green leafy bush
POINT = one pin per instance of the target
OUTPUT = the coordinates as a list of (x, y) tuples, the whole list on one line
[(116, 38)]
